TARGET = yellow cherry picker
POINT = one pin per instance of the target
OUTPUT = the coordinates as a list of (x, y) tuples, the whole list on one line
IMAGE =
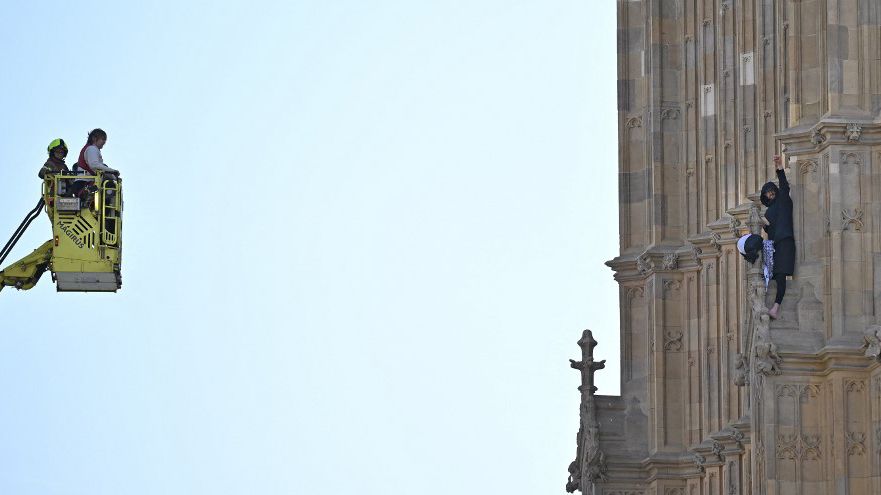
[(85, 252)]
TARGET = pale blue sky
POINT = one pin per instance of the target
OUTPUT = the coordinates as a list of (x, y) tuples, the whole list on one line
[(361, 240)]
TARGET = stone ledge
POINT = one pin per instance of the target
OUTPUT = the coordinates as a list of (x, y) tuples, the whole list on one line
[(827, 360), (831, 131)]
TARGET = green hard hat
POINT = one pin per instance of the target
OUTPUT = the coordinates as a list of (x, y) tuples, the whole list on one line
[(56, 143)]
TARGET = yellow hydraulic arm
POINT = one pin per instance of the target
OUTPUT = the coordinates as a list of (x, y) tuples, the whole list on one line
[(26, 272)]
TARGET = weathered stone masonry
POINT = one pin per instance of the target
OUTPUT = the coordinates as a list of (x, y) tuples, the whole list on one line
[(716, 399)]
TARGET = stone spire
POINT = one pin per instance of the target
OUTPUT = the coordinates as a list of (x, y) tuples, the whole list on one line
[(590, 463)]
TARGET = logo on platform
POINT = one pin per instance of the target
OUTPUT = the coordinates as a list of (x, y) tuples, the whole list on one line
[(76, 240)]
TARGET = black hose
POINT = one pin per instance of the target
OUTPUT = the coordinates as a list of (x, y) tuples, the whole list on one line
[(20, 230)]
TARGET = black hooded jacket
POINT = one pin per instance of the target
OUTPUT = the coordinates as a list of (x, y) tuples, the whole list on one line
[(779, 212)]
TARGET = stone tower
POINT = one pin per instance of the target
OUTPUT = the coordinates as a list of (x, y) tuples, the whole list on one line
[(717, 399)]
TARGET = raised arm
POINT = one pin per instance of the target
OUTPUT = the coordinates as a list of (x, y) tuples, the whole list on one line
[(781, 175)]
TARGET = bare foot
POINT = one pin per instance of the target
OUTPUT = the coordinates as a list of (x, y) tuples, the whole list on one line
[(773, 311)]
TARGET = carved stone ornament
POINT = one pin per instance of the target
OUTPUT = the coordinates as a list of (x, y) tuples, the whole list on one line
[(854, 217), (802, 392), (634, 292), (590, 462), (857, 386), (767, 361), (807, 166), (574, 481), (734, 226), (671, 113), (673, 340), (764, 355), (633, 122), (872, 340), (718, 448), (798, 446), (851, 158), (755, 221), (817, 137), (741, 371), (699, 461), (672, 285), (736, 435), (853, 132), (696, 253), (644, 264), (671, 261), (856, 443)]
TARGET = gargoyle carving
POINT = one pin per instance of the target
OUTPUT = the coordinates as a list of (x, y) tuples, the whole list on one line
[(741, 373), (853, 132), (873, 342), (764, 355), (644, 264), (767, 361), (671, 261)]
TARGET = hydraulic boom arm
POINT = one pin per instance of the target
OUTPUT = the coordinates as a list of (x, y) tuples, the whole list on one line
[(25, 273)]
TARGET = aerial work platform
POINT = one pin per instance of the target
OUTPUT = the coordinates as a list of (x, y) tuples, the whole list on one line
[(85, 252)]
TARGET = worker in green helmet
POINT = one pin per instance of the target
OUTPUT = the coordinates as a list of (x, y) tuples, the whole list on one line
[(55, 164)]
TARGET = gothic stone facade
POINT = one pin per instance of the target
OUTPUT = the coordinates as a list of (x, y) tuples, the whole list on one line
[(716, 398)]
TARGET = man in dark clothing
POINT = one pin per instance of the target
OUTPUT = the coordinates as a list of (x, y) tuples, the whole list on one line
[(779, 230), (55, 164)]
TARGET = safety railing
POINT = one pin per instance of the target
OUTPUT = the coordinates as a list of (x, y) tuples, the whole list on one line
[(59, 192), (110, 212)]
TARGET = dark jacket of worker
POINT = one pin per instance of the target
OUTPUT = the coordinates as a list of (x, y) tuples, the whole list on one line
[(779, 212), (53, 166)]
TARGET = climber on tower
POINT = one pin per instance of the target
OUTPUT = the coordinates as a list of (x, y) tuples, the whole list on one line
[(780, 231)]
